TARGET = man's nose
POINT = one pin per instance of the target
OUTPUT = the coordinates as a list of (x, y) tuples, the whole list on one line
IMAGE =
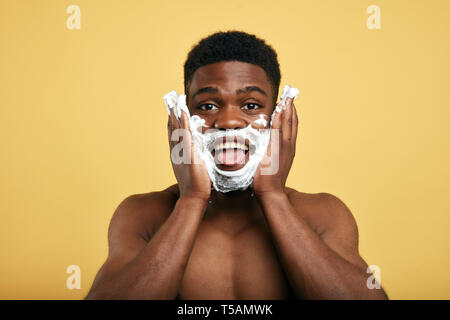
[(228, 118)]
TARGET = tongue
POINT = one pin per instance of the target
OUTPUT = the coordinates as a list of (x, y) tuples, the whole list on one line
[(230, 157)]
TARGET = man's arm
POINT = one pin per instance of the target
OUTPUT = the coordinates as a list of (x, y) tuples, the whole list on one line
[(136, 269), (325, 267)]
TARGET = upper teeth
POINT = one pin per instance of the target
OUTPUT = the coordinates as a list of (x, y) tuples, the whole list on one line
[(228, 145)]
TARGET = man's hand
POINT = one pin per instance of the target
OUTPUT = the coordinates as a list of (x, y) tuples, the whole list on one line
[(193, 179), (284, 134)]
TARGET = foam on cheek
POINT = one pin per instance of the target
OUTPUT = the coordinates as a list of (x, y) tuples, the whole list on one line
[(261, 121)]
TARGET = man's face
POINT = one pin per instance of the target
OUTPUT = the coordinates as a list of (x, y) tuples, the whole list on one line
[(229, 96)]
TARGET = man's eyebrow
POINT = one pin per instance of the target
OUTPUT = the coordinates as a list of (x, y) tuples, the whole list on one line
[(250, 89), (247, 89), (205, 89)]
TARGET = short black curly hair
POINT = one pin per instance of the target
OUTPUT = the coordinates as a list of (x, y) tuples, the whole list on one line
[(233, 45)]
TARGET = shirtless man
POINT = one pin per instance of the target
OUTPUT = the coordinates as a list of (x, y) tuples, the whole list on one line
[(266, 242)]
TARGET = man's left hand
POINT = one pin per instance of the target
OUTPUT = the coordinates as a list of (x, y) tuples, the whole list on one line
[(273, 170)]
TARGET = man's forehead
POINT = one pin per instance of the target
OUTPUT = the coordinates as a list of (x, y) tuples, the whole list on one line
[(230, 74)]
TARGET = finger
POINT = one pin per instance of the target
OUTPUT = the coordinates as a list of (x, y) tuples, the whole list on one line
[(172, 125), (176, 123), (169, 132), (187, 137), (275, 132), (184, 121), (294, 125), (169, 127), (276, 121), (286, 121)]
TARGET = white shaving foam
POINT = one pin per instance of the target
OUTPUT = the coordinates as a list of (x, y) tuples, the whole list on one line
[(288, 92), (261, 121)]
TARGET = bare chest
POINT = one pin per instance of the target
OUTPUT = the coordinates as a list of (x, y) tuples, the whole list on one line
[(234, 266)]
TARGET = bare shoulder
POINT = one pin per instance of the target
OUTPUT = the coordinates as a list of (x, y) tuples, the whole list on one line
[(132, 225), (324, 210), (143, 213), (315, 199), (331, 219)]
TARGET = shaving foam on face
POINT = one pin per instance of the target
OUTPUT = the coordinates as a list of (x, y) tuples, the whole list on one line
[(223, 180), (261, 121), (288, 92)]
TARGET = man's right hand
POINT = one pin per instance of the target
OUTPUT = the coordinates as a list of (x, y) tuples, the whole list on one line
[(193, 179)]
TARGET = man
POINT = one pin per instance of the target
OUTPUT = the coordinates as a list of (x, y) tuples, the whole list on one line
[(268, 241)]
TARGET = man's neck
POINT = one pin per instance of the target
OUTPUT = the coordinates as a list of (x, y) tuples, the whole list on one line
[(232, 198), (233, 211), (234, 203)]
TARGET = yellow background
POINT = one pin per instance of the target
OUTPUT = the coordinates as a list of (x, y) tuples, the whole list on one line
[(82, 125)]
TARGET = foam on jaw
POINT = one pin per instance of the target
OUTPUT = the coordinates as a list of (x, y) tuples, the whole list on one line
[(223, 180)]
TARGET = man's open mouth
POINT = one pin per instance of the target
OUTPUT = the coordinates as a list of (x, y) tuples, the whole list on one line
[(231, 154)]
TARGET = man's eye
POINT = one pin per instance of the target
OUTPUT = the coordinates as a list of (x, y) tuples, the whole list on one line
[(251, 106), (207, 107)]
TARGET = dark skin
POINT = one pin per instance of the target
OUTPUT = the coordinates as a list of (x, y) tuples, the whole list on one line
[(267, 242)]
